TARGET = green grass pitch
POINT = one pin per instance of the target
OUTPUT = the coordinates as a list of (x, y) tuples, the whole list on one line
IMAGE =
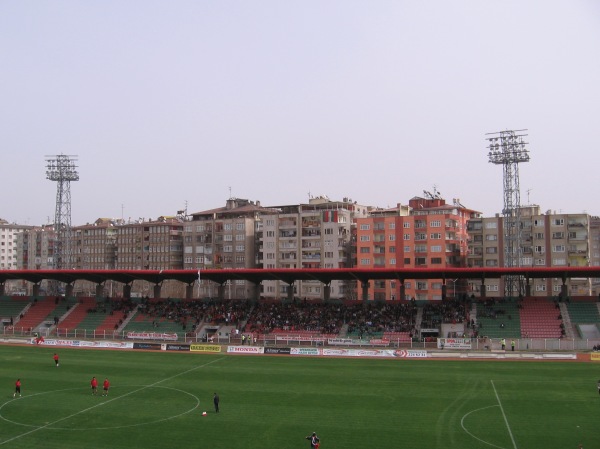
[(157, 399)]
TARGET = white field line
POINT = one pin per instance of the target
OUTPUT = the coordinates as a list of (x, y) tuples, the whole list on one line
[(106, 402), (504, 415)]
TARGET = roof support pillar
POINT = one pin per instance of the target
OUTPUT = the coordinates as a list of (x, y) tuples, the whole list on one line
[(290, 291), (69, 291), (127, 291), (156, 291), (402, 290), (189, 291), (365, 290), (327, 292)]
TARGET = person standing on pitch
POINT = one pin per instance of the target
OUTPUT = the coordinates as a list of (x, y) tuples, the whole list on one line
[(216, 402), (56, 359), (599, 387), (105, 387), (17, 388), (314, 440), (94, 384)]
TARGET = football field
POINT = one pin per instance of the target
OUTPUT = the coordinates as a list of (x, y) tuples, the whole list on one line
[(156, 400)]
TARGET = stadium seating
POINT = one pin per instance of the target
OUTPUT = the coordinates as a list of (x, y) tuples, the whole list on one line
[(540, 318), (37, 314), (498, 319)]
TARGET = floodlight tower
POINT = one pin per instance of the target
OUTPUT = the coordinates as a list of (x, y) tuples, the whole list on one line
[(507, 148), (62, 169)]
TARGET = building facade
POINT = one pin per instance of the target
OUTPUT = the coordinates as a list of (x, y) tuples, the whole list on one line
[(428, 233), (313, 235), (548, 240)]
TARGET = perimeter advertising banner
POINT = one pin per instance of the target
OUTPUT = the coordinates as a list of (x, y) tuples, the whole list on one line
[(147, 346), (595, 356), (358, 352), (305, 351), (245, 349), (287, 351), (454, 343), (205, 348)]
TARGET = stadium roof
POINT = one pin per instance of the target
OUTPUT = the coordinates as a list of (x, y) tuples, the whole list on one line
[(289, 275)]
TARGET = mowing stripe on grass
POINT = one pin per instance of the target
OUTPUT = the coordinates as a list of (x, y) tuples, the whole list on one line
[(110, 400), (504, 415)]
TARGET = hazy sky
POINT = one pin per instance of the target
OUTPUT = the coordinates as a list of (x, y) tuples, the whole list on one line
[(165, 102)]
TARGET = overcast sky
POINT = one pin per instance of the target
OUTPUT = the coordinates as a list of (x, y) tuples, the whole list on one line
[(168, 102)]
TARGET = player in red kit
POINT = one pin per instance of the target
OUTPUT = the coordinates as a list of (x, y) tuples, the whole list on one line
[(56, 359), (105, 387), (94, 384), (17, 388)]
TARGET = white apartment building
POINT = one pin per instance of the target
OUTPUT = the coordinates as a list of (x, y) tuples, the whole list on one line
[(313, 235), (225, 237)]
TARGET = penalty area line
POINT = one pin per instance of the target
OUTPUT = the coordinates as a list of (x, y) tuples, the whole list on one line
[(512, 438), (106, 402)]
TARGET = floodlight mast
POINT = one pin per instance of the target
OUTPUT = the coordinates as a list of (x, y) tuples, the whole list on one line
[(507, 148), (62, 169)]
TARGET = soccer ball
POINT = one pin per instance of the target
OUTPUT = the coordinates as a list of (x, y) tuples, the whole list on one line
[(203, 413)]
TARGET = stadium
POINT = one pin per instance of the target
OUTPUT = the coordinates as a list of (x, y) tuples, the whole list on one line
[(459, 373)]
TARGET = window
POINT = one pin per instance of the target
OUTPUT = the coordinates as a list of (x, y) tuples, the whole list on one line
[(407, 261), (436, 249), (491, 237), (558, 235), (491, 263), (365, 227), (420, 224), (392, 225), (239, 226), (270, 222), (392, 238), (421, 285), (436, 224), (392, 261), (407, 249), (558, 222), (436, 260), (240, 248), (365, 261), (392, 249), (420, 261), (228, 238), (559, 262), (420, 236), (435, 236), (420, 248), (491, 225), (365, 250), (365, 238), (540, 287), (406, 225), (228, 227), (227, 248), (406, 236), (491, 250), (539, 235), (539, 249), (240, 237), (559, 248)]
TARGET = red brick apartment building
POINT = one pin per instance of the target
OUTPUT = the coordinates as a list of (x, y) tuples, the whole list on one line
[(428, 233)]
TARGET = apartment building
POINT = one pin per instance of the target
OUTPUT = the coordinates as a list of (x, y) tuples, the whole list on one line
[(94, 246), (313, 235), (547, 240), (225, 237), (426, 233), (9, 254)]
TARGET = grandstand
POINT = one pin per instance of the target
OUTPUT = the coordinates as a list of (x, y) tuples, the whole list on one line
[(398, 322)]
